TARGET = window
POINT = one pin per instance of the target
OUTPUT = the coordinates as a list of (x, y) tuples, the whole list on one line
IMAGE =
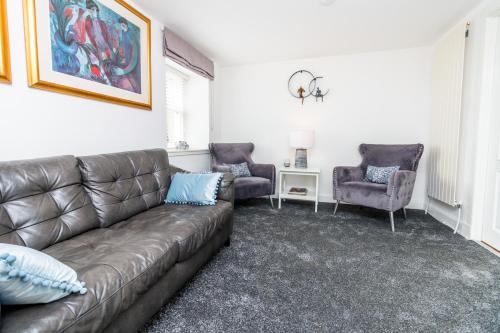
[(175, 107), (188, 107)]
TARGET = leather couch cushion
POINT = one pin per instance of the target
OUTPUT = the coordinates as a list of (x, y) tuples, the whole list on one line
[(124, 184), (42, 202), (117, 266), (190, 226)]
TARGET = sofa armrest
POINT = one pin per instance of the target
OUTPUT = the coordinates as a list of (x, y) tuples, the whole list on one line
[(401, 180), (174, 170), (342, 174), (400, 188), (226, 188), (263, 170), (267, 171)]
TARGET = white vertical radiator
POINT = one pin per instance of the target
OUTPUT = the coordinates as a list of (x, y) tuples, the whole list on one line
[(447, 84)]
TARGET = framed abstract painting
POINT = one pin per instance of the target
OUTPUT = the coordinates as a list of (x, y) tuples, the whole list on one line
[(4, 45), (99, 49)]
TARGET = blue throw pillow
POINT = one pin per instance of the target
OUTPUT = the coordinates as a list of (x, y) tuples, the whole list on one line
[(239, 170), (28, 276), (380, 175), (194, 188)]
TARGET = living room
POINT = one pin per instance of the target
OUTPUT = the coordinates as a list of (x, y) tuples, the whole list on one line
[(323, 165)]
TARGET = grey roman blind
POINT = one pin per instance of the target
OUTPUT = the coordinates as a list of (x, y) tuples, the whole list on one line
[(180, 51)]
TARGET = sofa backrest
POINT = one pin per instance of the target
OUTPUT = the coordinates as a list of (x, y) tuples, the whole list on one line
[(122, 185), (406, 156), (42, 202), (231, 153)]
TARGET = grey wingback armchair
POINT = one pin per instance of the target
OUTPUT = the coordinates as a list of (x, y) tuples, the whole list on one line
[(263, 180), (349, 185)]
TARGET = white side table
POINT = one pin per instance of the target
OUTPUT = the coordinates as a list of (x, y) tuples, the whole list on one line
[(312, 190)]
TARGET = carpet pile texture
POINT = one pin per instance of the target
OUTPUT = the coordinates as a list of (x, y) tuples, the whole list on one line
[(292, 270)]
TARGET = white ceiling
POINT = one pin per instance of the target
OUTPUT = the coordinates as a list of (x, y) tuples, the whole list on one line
[(253, 31)]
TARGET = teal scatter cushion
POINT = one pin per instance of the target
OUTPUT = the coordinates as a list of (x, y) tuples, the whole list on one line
[(194, 188), (239, 170), (380, 175), (28, 276)]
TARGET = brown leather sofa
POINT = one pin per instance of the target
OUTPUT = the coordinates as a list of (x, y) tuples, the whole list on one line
[(104, 216)]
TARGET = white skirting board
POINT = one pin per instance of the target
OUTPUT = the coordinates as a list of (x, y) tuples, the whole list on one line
[(449, 216)]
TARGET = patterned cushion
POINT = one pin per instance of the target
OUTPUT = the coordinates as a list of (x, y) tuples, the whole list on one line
[(380, 175), (239, 170)]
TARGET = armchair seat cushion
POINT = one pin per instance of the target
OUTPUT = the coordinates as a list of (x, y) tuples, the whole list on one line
[(364, 185), (251, 187), (364, 193)]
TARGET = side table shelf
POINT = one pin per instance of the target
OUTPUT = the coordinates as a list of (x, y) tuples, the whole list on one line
[(299, 174)]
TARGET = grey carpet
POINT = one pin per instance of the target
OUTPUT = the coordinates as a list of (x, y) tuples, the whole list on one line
[(291, 270)]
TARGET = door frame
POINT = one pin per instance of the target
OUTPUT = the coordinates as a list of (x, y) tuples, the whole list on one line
[(484, 133)]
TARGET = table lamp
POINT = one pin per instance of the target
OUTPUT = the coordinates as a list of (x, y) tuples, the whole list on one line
[(301, 140)]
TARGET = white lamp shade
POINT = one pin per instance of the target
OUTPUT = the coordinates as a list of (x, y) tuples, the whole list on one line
[(302, 139)]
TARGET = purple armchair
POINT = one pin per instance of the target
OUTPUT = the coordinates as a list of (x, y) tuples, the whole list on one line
[(349, 187), (263, 180)]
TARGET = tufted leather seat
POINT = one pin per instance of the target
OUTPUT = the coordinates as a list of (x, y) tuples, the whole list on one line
[(117, 266), (74, 309), (106, 219), (188, 228)]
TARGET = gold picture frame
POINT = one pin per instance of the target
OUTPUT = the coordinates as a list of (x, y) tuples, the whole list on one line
[(33, 61), (5, 71)]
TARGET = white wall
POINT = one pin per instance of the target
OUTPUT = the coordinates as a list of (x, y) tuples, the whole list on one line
[(38, 123), (381, 97), (470, 226)]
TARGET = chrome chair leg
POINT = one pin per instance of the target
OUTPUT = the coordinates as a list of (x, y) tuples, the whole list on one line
[(404, 213), (272, 203), (391, 215), (336, 207)]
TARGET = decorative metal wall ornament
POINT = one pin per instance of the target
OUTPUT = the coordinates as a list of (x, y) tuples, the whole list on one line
[(297, 83), (317, 93), (304, 78)]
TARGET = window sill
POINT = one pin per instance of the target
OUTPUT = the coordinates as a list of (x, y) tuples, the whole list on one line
[(179, 152)]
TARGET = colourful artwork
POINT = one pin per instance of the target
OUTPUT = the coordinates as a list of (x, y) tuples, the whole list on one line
[(91, 41), (5, 75), (98, 49)]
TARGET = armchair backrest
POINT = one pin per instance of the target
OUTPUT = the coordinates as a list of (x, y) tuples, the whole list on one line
[(406, 156), (231, 153)]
